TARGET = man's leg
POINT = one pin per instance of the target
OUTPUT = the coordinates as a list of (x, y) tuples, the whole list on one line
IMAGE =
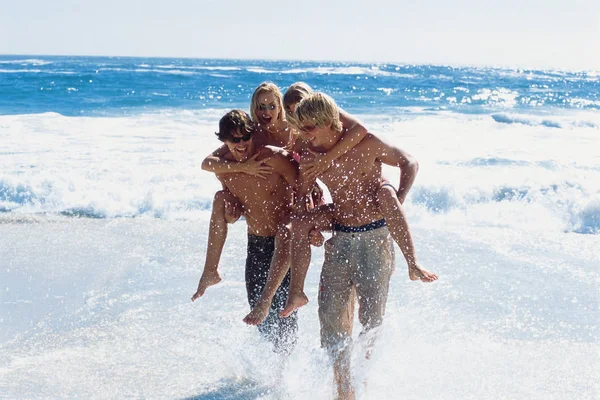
[(318, 219), (375, 260), (216, 240), (280, 264), (336, 312), (280, 331), (285, 329), (392, 210)]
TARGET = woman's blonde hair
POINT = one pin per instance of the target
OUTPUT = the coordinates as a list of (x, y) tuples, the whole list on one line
[(320, 110), (266, 87)]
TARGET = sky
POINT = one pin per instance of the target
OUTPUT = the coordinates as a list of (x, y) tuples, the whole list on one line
[(558, 34)]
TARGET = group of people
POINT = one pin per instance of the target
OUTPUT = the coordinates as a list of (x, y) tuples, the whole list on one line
[(269, 165)]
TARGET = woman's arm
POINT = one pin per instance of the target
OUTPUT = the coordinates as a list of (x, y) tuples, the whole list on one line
[(218, 164), (353, 133)]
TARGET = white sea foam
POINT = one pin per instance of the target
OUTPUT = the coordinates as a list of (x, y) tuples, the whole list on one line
[(35, 71), (30, 61), (551, 121), (500, 96), (349, 70), (387, 91), (177, 71), (472, 167), (168, 71), (19, 71), (198, 67), (100, 309), (577, 102)]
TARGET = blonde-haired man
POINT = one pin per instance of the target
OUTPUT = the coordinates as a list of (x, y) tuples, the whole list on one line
[(359, 258)]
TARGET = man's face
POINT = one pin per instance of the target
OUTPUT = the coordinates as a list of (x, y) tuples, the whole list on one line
[(240, 145), (268, 108), (316, 136)]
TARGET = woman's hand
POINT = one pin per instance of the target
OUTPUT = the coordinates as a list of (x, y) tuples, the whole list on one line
[(233, 210), (316, 166), (256, 168)]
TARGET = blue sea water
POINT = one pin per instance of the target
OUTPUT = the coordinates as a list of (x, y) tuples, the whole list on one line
[(104, 221), (73, 86)]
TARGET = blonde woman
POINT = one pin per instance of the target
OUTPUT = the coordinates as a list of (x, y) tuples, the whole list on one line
[(266, 108)]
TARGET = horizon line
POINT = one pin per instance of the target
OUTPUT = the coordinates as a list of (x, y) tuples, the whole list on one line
[(435, 64)]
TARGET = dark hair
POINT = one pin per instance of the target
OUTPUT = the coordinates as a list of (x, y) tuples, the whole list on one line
[(233, 121)]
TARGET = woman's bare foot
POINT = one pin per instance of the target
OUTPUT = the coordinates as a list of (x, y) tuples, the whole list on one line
[(415, 273), (208, 279), (294, 301), (258, 313)]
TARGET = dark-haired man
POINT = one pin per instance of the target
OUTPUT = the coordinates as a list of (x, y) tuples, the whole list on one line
[(265, 203)]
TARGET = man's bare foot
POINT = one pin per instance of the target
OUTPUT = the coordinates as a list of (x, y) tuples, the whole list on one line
[(258, 313), (208, 279), (416, 272), (294, 301)]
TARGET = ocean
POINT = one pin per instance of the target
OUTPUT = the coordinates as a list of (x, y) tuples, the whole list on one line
[(104, 214)]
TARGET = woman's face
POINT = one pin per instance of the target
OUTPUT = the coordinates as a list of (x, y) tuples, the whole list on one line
[(292, 108), (267, 109)]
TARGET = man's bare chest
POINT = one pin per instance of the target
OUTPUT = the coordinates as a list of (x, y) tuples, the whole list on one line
[(348, 170), (248, 188)]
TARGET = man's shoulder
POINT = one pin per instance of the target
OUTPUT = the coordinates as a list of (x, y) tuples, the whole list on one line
[(370, 139), (369, 144)]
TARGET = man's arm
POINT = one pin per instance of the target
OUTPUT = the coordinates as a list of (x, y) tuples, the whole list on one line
[(215, 162), (397, 157)]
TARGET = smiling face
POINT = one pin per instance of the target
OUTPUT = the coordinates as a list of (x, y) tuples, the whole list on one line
[(318, 118), (240, 145), (318, 137)]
